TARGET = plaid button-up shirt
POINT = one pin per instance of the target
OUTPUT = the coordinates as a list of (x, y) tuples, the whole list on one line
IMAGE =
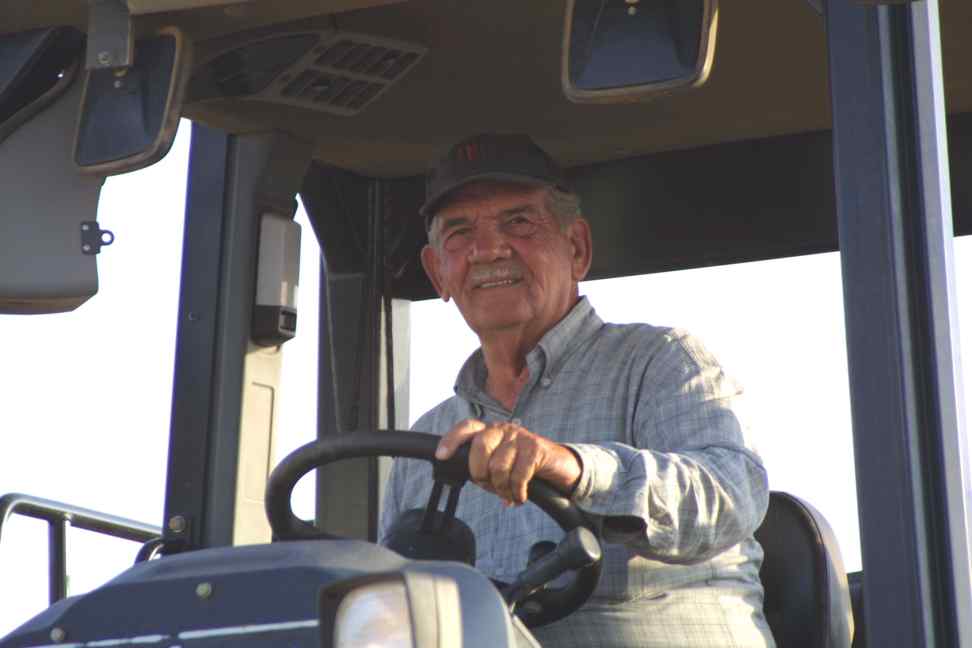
[(667, 471)]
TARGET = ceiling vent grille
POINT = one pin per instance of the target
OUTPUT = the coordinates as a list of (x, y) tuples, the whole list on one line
[(342, 73)]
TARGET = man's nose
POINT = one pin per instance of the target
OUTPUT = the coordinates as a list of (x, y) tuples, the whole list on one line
[(488, 244)]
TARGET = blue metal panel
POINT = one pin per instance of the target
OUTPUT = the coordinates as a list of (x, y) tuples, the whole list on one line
[(894, 229), (185, 500)]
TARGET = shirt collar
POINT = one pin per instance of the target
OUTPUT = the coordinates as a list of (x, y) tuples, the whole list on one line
[(544, 361)]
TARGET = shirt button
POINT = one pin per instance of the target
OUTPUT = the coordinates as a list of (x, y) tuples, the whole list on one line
[(546, 382), (517, 421)]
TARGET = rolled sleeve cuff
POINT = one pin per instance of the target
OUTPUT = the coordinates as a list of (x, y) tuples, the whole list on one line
[(597, 493), (599, 470)]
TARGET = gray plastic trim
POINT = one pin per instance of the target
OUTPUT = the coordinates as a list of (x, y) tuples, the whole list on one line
[(43, 201)]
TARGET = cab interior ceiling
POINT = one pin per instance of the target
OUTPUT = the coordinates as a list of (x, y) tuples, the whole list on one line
[(495, 65), (767, 190)]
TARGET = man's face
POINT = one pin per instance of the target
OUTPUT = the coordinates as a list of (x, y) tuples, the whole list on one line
[(499, 252)]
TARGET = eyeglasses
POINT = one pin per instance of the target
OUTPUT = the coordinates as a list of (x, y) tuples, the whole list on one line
[(458, 235)]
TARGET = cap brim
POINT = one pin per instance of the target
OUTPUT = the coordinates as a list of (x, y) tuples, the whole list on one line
[(428, 209)]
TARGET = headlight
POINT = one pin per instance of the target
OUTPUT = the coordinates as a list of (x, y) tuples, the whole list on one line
[(374, 616)]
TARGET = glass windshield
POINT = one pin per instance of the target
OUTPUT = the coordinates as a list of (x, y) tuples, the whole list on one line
[(776, 326)]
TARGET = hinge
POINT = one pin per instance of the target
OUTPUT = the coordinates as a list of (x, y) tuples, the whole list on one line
[(93, 238)]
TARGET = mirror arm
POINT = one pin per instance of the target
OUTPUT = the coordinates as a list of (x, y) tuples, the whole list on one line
[(110, 40)]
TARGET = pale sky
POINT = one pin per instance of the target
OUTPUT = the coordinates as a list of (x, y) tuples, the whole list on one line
[(87, 394)]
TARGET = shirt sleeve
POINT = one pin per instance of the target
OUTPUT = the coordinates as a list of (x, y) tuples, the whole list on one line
[(687, 488)]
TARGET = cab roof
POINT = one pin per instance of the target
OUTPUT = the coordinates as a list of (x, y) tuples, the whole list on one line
[(496, 66)]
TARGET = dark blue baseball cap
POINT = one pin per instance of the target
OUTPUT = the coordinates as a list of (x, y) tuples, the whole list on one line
[(490, 156)]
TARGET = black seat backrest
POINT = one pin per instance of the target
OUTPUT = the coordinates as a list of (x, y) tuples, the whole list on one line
[(807, 600)]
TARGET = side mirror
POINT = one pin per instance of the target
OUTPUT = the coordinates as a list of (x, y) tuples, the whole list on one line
[(48, 235), (48, 208), (129, 116), (619, 51)]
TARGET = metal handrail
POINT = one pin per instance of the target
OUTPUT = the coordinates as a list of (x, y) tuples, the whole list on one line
[(58, 515)]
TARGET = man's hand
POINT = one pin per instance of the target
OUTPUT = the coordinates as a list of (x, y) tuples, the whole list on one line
[(504, 457)]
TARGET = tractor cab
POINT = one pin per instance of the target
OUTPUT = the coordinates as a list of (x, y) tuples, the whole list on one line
[(697, 134)]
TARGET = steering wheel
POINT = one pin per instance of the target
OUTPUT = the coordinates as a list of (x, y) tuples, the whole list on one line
[(542, 607)]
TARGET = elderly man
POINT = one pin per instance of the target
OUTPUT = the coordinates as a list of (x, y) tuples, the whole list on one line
[(634, 423)]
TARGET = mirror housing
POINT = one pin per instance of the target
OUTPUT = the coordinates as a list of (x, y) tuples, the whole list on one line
[(129, 116), (621, 51), (47, 203), (36, 67)]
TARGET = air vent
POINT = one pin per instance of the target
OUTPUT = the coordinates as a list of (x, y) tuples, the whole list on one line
[(342, 73), (382, 63), (332, 90)]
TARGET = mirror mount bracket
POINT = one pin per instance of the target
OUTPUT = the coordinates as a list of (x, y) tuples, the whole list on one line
[(110, 40)]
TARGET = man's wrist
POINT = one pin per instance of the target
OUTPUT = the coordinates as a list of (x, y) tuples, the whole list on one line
[(580, 472), (573, 481)]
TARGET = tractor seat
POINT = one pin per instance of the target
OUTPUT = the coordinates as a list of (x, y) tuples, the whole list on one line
[(807, 602)]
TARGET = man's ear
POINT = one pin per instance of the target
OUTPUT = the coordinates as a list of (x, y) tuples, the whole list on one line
[(430, 261), (581, 248)]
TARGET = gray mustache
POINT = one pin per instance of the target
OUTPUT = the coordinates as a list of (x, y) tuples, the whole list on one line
[(481, 275)]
